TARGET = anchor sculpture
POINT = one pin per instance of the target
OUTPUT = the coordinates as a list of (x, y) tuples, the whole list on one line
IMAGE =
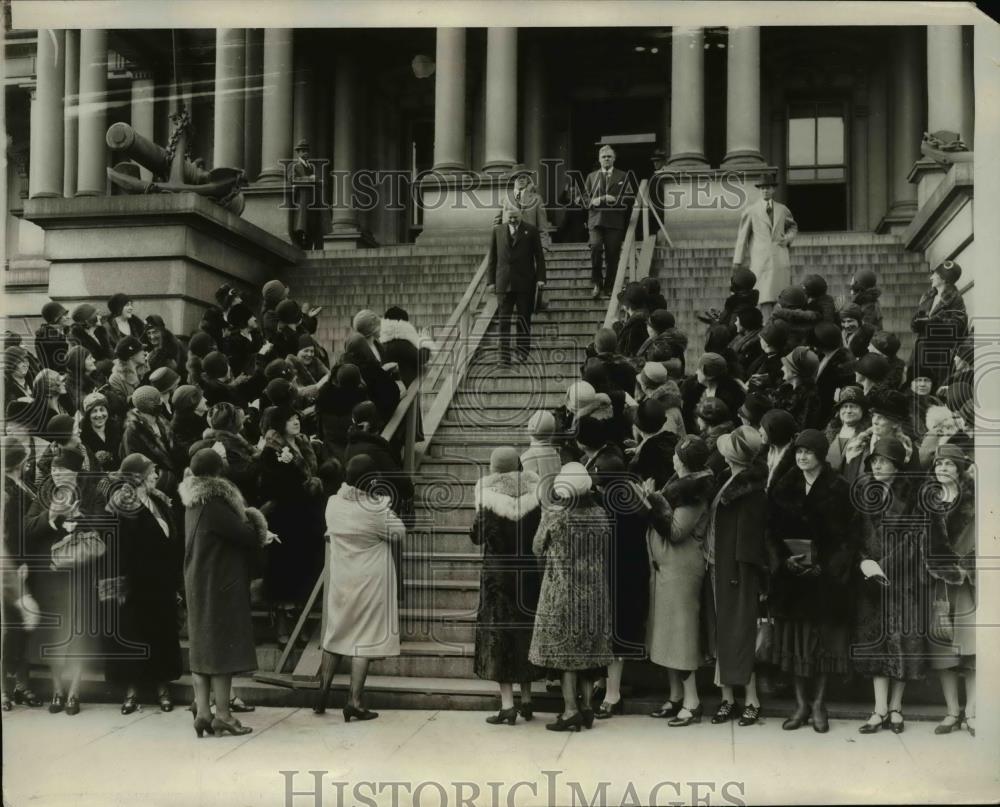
[(172, 168)]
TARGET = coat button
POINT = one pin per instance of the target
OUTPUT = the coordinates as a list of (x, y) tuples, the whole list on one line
[(734, 582)]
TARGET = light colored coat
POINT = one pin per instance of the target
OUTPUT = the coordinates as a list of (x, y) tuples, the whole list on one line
[(362, 614), (769, 259)]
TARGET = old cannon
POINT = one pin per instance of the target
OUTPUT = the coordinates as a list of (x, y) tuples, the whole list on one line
[(172, 169)]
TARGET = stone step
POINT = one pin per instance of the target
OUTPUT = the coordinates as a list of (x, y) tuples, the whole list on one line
[(439, 537), (437, 625), (423, 593)]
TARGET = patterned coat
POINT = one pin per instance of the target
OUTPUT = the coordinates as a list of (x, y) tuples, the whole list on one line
[(573, 621), (507, 517)]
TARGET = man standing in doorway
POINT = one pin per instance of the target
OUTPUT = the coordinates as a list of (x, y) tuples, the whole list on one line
[(515, 270), (605, 194), (766, 231), (307, 197)]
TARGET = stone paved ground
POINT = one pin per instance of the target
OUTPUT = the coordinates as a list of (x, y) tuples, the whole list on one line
[(101, 758)]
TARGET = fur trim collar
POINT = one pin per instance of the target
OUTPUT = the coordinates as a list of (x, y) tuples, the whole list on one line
[(198, 490), (510, 495), (400, 329), (695, 488), (746, 482)]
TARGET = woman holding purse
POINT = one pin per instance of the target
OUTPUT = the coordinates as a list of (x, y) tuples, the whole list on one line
[(145, 559), (811, 536)]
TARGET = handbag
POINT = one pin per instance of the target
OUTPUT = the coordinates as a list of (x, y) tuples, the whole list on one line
[(942, 628), (79, 548), (765, 640)]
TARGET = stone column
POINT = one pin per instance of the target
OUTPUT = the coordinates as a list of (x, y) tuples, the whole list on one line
[(501, 99), (230, 65), (687, 98), (905, 123), (45, 172), (143, 98), (449, 100), (533, 113), (276, 136), (345, 217), (71, 111), (303, 105), (91, 174), (947, 96), (743, 97), (252, 110)]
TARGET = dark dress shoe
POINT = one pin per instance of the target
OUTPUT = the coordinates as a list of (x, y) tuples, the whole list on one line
[(606, 710), (220, 727), (796, 721), (668, 711), (129, 705), (72, 705), (237, 706), (821, 719), (354, 713), (6, 704), (751, 714), (870, 727), (57, 705), (573, 723), (201, 725), (725, 712), (508, 716), (526, 711), (682, 719), (588, 718), (896, 726)]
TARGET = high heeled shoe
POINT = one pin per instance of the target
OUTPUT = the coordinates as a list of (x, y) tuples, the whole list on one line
[(724, 712), (968, 724), (73, 705), (201, 725), (606, 710), (220, 727), (238, 706), (948, 728), (897, 727), (358, 714), (693, 716), (57, 704), (166, 704), (574, 723), (796, 721), (26, 696), (587, 715), (871, 728), (526, 711), (668, 711), (130, 704), (751, 714), (508, 716)]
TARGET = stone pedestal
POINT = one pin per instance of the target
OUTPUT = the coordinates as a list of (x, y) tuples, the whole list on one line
[(705, 204), (943, 225), (460, 207), (171, 250)]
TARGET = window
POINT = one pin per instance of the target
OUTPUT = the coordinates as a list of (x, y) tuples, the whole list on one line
[(816, 143)]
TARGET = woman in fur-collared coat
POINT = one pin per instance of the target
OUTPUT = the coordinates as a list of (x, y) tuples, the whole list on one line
[(507, 516), (402, 344), (222, 536)]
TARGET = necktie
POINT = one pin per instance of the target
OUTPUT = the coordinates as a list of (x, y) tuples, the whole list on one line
[(770, 213)]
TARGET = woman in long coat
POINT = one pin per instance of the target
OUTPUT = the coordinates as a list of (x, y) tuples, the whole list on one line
[(677, 561), (940, 321), (294, 511), (889, 641), (954, 530), (573, 621), (810, 597), (507, 517), (145, 559), (362, 615), (222, 536), (737, 563)]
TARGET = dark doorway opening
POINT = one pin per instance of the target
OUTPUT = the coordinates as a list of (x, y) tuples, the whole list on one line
[(819, 208)]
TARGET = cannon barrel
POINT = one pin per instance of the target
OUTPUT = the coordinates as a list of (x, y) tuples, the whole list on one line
[(122, 137)]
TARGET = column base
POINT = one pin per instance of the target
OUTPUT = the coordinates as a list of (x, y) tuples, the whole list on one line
[(344, 237), (688, 159), (897, 218), (498, 167), (743, 157), (706, 204)]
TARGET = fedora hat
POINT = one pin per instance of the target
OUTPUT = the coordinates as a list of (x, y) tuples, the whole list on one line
[(766, 181), (302, 144)]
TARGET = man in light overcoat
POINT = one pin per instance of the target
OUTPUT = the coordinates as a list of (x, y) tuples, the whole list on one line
[(766, 231)]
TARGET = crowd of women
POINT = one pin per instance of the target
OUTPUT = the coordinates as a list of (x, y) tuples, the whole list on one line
[(150, 477), (802, 504), (804, 501)]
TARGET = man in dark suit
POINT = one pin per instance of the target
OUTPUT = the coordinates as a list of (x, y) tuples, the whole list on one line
[(606, 196), (306, 218), (516, 268)]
